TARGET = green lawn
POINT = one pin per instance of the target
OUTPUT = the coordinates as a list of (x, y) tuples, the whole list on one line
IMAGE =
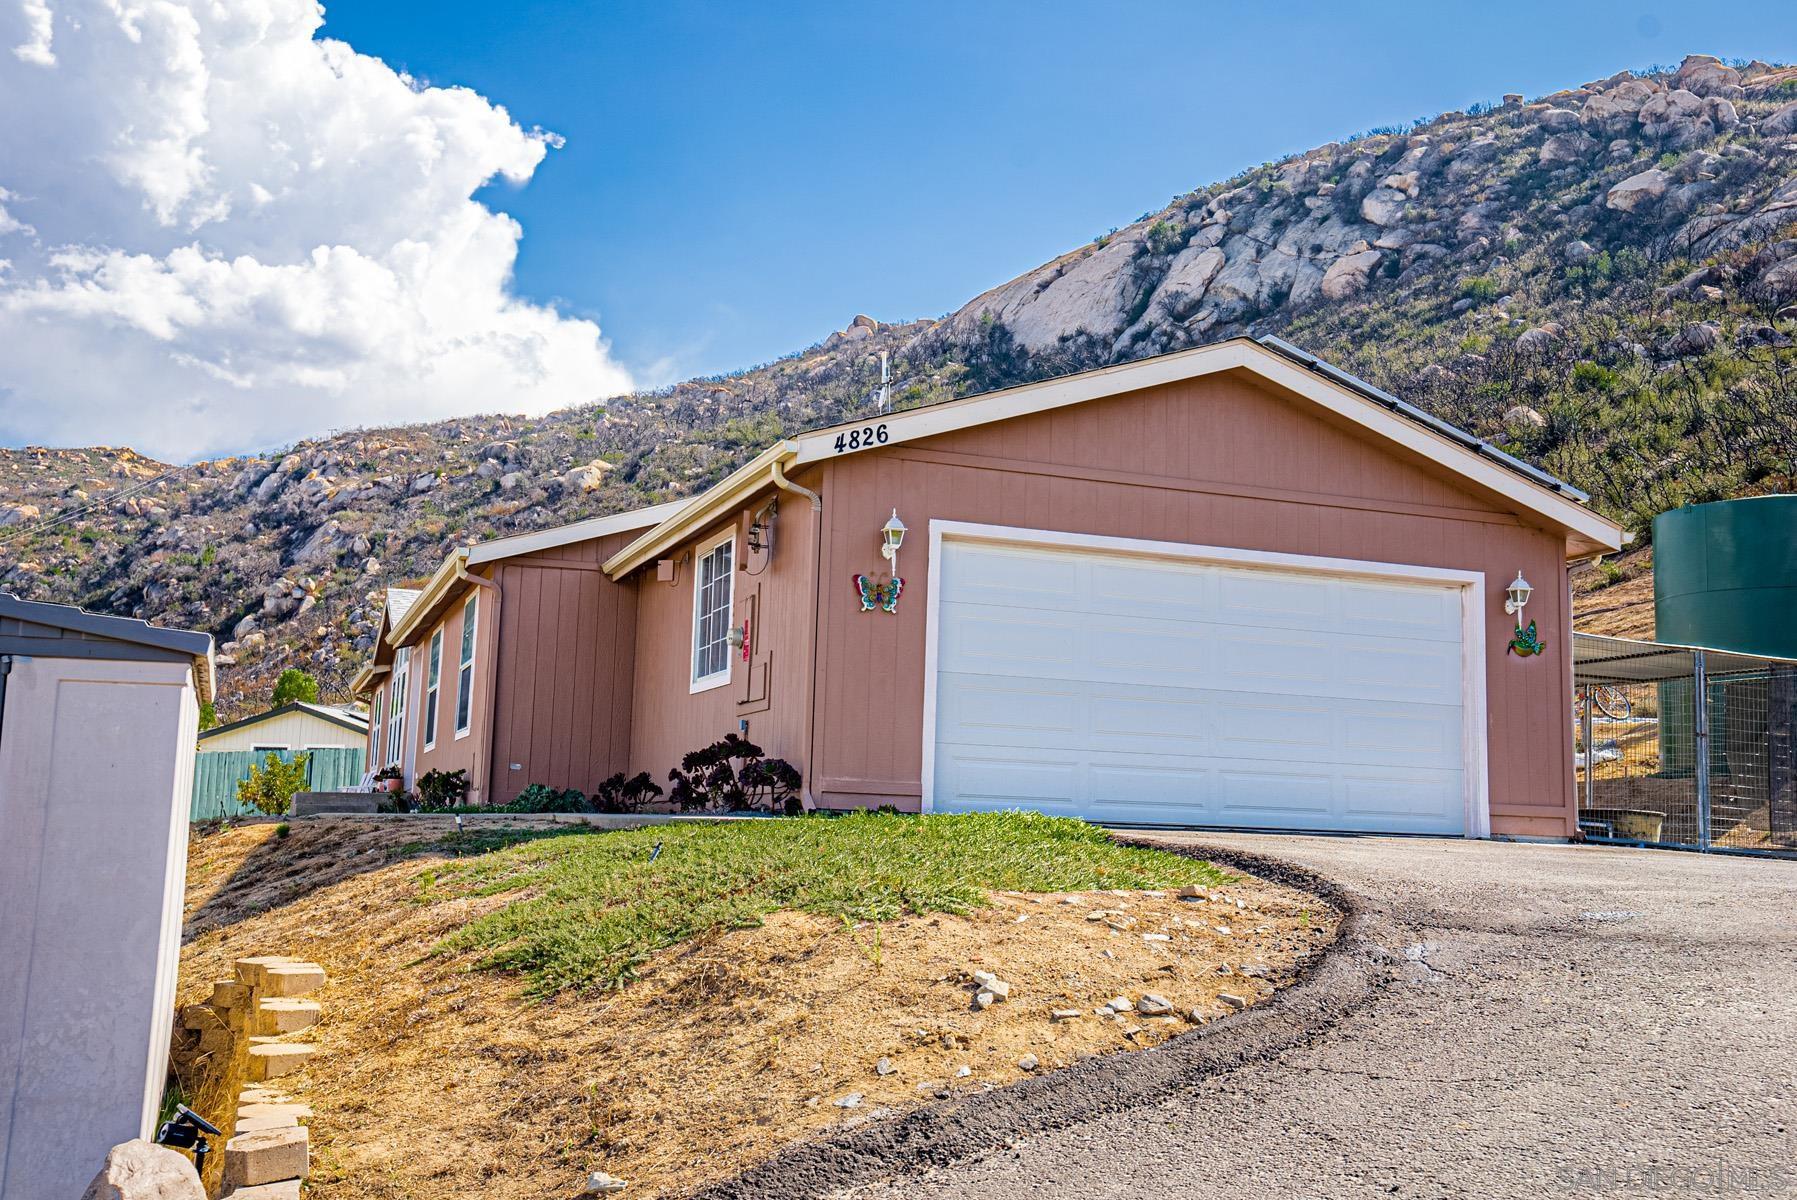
[(592, 906)]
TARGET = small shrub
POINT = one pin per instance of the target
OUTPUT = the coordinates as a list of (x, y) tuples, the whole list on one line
[(1479, 287), (541, 798), (1591, 377), (709, 779), (283, 829), (617, 794), (271, 786), (294, 685), (441, 789)]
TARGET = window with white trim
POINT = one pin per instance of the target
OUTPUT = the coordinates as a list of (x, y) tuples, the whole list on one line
[(464, 681), (714, 580), (377, 725), (396, 704), (433, 673)]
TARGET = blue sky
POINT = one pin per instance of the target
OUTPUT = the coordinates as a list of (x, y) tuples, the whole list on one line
[(739, 179)]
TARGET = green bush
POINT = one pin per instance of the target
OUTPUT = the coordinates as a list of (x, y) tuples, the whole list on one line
[(271, 786), (541, 798), (710, 780)]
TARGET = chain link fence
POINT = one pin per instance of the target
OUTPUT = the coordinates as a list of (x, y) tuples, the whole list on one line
[(1654, 766)]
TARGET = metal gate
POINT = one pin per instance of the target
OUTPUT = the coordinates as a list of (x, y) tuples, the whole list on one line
[(1656, 765)]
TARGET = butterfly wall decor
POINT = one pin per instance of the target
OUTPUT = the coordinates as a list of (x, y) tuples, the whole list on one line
[(875, 594)]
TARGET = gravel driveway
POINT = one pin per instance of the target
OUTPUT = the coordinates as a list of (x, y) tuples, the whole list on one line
[(1536, 1021)]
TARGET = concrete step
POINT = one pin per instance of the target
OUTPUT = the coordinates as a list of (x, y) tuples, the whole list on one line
[(286, 1189), (283, 1014), (266, 1156), (291, 979), (271, 1060)]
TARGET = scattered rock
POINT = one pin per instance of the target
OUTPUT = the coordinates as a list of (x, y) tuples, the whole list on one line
[(1028, 1062), (18, 514), (1521, 416), (600, 1183), (852, 1100), (1152, 1005), (586, 478), (1348, 275), (1063, 1014), (1570, 147), (963, 1072), (138, 1170), (1232, 1000), (885, 1067), (1693, 340), (1121, 1004)]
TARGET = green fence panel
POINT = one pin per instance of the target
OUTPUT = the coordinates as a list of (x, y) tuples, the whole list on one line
[(216, 774)]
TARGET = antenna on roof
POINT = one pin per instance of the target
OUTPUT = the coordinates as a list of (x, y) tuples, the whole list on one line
[(885, 382)]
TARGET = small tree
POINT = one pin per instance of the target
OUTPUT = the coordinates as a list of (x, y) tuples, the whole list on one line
[(208, 715), (294, 685), (271, 786)]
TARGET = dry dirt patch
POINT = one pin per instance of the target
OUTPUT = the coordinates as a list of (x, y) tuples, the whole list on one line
[(436, 1080)]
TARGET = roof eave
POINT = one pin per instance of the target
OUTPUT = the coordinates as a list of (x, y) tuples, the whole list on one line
[(428, 598), (702, 510)]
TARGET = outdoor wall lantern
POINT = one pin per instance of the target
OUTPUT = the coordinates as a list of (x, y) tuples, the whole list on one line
[(1516, 596), (892, 536), (1525, 643), (873, 593)]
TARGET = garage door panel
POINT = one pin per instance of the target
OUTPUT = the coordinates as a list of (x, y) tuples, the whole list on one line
[(1419, 672), (985, 638), (1259, 796), (1018, 579), (975, 710), (1148, 795), (1385, 611), (987, 781), (1170, 692), (1266, 599), (1412, 803)]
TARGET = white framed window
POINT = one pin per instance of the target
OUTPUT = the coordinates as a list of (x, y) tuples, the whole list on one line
[(396, 704), (377, 725), (714, 582), (464, 679), (433, 674)]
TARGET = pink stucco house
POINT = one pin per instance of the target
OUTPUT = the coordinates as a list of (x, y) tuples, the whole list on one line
[(1229, 586)]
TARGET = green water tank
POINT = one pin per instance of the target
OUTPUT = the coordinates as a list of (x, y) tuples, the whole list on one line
[(1725, 575)]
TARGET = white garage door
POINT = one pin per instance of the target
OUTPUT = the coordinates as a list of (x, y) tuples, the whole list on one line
[(1134, 689)]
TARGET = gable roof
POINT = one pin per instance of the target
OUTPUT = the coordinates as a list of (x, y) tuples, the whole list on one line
[(335, 716), (1485, 467), (64, 631)]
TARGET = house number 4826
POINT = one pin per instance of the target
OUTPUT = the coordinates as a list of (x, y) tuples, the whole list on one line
[(862, 438)]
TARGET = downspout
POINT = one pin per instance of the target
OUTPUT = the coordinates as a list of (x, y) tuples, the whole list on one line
[(488, 686), (5, 670), (817, 602)]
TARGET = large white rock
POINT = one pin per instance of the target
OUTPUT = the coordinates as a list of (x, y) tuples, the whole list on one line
[(1347, 276), (1572, 146), (590, 476), (138, 1170), (1639, 193), (18, 514), (1383, 206), (1783, 122)]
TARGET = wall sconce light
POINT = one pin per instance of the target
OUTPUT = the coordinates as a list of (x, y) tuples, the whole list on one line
[(1516, 596), (892, 536)]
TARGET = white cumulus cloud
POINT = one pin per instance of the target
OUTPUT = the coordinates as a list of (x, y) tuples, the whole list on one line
[(219, 232)]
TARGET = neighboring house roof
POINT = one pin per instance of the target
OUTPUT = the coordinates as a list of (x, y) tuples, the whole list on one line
[(336, 716), (1279, 363), (64, 631), (399, 603)]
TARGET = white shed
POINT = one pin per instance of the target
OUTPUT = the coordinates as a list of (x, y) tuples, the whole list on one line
[(98, 717)]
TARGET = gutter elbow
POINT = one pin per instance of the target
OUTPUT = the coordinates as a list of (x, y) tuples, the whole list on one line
[(781, 481)]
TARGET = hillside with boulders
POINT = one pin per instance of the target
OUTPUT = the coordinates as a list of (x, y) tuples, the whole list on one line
[(1602, 280)]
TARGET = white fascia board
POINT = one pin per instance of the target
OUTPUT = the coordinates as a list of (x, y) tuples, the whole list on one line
[(433, 591), (693, 516), (1235, 354), (568, 535)]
